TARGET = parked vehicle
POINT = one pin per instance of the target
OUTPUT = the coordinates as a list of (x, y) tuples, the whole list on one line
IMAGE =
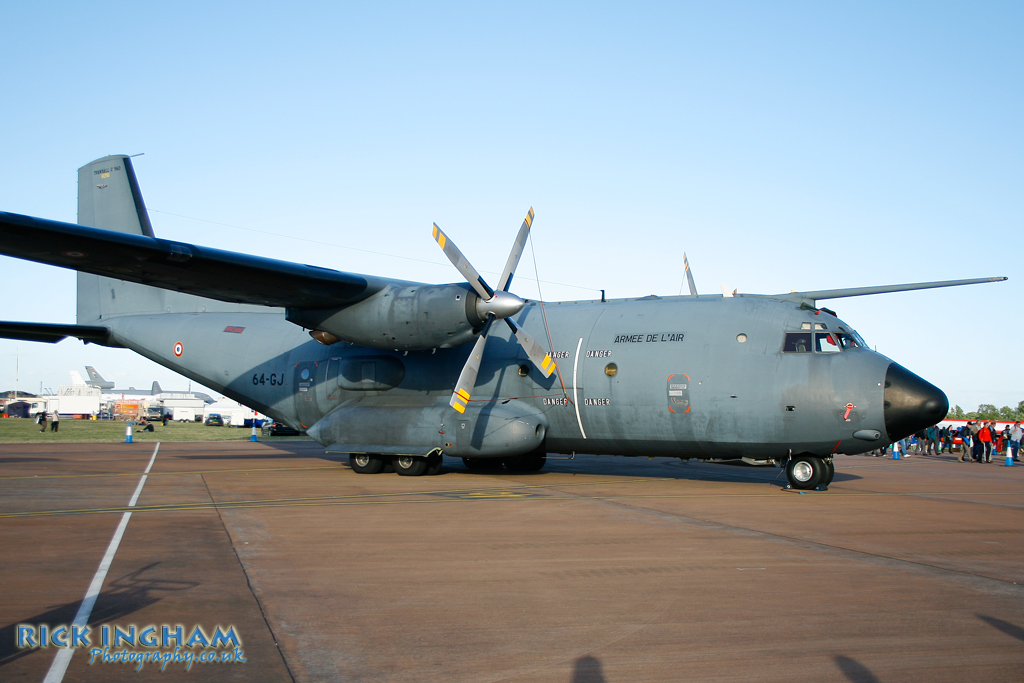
[(279, 429), (214, 420)]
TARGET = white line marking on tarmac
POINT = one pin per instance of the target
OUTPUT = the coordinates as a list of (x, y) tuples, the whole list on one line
[(63, 658)]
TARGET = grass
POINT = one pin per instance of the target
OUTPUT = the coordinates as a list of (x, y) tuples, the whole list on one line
[(15, 430)]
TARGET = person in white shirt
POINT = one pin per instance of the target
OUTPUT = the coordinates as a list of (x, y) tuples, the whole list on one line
[(1015, 438)]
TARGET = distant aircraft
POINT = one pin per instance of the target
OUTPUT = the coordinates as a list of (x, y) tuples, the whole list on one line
[(384, 370), (109, 393)]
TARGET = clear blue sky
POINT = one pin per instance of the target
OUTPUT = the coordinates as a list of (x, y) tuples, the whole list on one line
[(781, 145)]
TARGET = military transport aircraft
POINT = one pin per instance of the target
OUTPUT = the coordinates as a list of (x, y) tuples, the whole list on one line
[(399, 374)]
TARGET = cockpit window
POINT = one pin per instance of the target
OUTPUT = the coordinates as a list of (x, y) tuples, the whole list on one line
[(825, 343), (851, 340), (848, 341), (818, 342), (797, 342)]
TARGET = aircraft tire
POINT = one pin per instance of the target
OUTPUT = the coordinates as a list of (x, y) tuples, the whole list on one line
[(434, 463), (830, 472), (482, 464), (805, 471), (526, 463), (366, 463), (409, 466)]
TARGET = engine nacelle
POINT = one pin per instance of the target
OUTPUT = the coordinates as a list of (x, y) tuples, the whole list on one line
[(405, 318)]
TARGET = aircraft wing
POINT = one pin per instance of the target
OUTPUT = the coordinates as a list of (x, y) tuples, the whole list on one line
[(213, 273), (811, 297), (53, 333)]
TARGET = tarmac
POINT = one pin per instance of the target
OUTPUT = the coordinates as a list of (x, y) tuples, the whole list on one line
[(598, 569)]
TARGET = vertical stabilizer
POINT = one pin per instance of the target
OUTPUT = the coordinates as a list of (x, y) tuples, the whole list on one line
[(96, 379), (109, 197)]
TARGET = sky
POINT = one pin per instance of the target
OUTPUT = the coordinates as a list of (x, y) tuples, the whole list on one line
[(783, 146)]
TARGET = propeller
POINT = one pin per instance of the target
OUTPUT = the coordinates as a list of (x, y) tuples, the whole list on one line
[(493, 305)]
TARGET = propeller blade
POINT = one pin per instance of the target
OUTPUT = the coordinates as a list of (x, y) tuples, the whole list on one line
[(689, 276), (534, 351), (464, 266), (467, 378), (517, 251)]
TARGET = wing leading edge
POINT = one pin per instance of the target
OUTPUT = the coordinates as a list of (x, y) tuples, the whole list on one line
[(812, 297), (212, 273)]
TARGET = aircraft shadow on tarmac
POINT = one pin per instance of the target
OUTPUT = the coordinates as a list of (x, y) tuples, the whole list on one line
[(604, 465), (1006, 627), (854, 670), (125, 595), (664, 468)]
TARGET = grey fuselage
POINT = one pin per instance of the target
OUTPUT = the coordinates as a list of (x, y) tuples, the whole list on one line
[(652, 376)]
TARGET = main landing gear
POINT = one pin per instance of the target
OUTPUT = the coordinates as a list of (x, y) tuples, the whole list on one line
[(415, 466), (809, 472), (405, 465)]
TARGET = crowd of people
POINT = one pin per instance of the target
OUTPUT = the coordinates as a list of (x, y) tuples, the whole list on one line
[(976, 441)]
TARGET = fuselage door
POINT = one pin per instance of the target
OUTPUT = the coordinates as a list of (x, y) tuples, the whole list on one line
[(307, 406)]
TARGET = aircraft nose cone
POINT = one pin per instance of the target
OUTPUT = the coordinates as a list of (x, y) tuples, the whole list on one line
[(911, 403)]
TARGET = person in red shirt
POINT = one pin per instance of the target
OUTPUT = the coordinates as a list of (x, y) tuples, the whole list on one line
[(985, 436)]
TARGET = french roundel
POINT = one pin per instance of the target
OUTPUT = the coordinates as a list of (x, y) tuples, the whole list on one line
[(178, 349)]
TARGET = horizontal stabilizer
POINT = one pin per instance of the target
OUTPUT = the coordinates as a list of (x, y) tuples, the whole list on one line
[(213, 273), (811, 297), (53, 333)]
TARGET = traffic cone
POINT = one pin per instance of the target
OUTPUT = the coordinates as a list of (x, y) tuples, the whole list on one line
[(1009, 458), (253, 437), (896, 451), (128, 433)]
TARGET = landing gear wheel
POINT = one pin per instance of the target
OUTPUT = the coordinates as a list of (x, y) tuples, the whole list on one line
[(830, 472), (409, 466), (366, 463), (526, 463), (482, 464), (805, 471), (434, 463)]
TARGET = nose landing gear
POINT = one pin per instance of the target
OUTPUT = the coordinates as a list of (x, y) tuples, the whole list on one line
[(809, 472)]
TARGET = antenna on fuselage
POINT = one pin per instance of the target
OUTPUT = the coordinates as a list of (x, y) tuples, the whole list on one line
[(689, 277)]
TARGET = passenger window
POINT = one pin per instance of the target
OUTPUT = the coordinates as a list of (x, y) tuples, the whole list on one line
[(797, 342), (825, 343)]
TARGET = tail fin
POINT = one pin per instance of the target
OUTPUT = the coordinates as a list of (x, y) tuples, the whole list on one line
[(96, 379), (156, 388), (76, 378), (109, 197)]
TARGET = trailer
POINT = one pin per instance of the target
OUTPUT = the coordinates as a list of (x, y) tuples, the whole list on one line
[(182, 414)]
